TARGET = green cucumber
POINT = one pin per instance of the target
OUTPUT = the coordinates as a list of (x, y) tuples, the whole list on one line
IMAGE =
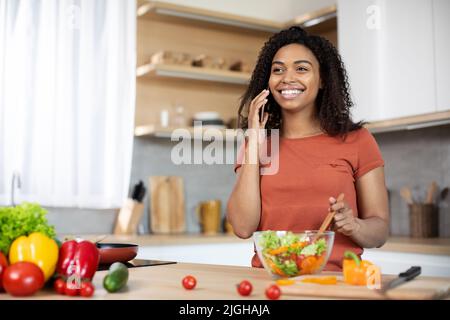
[(116, 278)]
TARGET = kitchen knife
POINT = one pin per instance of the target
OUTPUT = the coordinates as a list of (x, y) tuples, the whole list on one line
[(403, 277), (137, 190), (141, 194)]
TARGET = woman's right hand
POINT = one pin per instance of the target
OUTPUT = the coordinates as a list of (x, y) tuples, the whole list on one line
[(257, 103)]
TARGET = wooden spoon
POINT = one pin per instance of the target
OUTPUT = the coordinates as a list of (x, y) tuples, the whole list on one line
[(327, 220), (406, 195), (431, 191)]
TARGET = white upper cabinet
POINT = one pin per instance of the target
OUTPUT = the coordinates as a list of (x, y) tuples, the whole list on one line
[(388, 50), (441, 12)]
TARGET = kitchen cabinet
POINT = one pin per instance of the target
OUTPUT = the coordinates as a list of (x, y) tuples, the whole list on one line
[(396, 262), (322, 22), (388, 49), (441, 14), (233, 254), (240, 254)]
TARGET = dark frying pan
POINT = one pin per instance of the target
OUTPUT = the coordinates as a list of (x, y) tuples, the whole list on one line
[(116, 252)]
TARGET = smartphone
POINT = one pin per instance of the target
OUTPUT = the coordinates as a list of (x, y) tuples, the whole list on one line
[(261, 111)]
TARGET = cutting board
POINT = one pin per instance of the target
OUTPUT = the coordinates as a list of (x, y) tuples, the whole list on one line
[(420, 288), (167, 204)]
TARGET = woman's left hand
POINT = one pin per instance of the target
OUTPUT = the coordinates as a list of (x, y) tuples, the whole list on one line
[(344, 220)]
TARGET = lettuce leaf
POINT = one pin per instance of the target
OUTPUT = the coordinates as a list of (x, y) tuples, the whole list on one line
[(316, 248), (288, 239), (22, 220), (269, 240)]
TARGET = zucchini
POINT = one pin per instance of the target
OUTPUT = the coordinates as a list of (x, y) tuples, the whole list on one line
[(116, 278)]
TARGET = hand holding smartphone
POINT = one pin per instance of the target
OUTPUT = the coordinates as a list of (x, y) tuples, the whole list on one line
[(261, 111)]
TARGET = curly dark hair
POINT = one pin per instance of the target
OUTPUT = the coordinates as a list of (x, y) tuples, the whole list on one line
[(333, 101)]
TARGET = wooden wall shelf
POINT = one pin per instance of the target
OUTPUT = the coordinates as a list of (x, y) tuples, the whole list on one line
[(147, 9), (151, 8), (410, 123), (197, 73), (407, 123), (166, 132), (314, 18)]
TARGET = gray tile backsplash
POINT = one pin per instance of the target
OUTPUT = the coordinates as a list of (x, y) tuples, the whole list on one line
[(71, 221), (412, 158), (415, 158), (151, 157)]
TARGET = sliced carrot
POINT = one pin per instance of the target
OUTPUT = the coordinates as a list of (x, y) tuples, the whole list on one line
[(299, 245), (275, 269), (285, 282), (321, 280), (318, 264), (308, 264), (278, 250)]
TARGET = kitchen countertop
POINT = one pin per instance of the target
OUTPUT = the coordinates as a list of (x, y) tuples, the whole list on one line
[(437, 246), (214, 282)]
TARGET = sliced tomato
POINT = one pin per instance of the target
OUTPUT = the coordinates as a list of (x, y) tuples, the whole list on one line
[(299, 260)]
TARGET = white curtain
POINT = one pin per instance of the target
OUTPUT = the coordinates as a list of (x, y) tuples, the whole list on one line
[(67, 96)]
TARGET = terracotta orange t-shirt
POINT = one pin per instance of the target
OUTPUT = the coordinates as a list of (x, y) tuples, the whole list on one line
[(310, 171)]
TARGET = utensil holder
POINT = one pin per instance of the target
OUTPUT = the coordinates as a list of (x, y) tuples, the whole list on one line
[(423, 220)]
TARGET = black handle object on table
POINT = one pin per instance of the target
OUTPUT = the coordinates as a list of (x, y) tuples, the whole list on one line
[(137, 190), (141, 194), (411, 273)]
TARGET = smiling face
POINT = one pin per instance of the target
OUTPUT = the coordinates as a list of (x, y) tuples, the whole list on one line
[(294, 78)]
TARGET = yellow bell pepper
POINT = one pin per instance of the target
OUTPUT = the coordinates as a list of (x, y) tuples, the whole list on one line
[(354, 269), (38, 249)]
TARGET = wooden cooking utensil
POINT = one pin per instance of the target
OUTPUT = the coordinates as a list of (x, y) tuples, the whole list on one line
[(431, 191), (327, 220), (406, 195)]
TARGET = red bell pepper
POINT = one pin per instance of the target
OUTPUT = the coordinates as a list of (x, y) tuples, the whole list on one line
[(81, 257)]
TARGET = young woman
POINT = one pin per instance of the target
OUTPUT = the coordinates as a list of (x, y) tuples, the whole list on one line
[(301, 84)]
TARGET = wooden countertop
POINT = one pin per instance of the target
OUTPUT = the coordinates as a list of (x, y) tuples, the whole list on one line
[(215, 282), (437, 246)]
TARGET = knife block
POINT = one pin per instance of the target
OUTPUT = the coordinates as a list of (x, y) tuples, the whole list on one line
[(128, 218)]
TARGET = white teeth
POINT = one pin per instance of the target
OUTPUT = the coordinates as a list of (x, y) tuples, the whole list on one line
[(295, 91)]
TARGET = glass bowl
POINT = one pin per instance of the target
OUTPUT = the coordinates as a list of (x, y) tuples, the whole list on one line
[(286, 254)]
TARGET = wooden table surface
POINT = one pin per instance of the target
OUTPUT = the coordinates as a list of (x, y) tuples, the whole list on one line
[(214, 282)]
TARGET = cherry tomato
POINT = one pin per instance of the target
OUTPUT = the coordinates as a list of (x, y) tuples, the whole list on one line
[(189, 282), (23, 279), (87, 289), (273, 292), (71, 289), (244, 288), (59, 285), (3, 266)]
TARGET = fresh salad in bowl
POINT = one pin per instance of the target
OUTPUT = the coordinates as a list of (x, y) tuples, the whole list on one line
[(288, 254)]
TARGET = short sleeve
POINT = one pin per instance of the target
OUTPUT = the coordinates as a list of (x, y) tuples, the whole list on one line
[(369, 154)]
